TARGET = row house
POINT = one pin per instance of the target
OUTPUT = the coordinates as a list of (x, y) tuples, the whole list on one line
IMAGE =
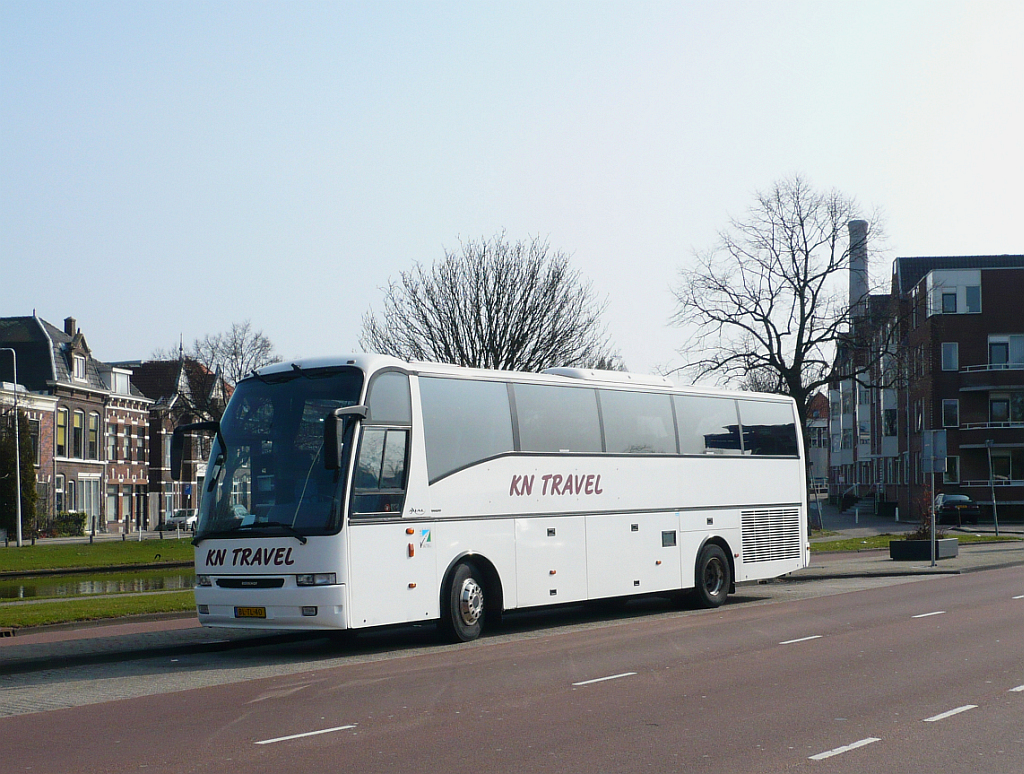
[(182, 391), (92, 424)]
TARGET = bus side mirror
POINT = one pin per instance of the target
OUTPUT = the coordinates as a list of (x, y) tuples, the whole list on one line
[(335, 425), (178, 443)]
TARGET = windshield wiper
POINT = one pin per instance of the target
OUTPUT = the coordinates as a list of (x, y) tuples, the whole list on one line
[(222, 533), (288, 528), (217, 533)]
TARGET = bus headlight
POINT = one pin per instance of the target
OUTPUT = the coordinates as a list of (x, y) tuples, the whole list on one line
[(203, 580), (316, 579)]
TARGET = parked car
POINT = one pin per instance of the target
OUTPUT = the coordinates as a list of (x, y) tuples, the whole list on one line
[(956, 509), (183, 518)]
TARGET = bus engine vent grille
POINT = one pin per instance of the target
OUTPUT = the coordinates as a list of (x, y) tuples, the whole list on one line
[(771, 534)]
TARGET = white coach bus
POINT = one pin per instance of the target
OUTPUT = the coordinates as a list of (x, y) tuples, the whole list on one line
[(366, 491)]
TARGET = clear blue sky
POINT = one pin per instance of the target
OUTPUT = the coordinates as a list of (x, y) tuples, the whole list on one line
[(169, 168)]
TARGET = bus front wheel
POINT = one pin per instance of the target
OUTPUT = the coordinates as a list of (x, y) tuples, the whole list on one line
[(463, 609), (713, 577)]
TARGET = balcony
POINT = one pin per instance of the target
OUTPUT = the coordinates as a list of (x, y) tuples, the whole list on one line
[(992, 376), (992, 426)]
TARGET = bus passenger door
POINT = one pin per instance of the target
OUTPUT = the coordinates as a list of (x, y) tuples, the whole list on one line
[(392, 564)]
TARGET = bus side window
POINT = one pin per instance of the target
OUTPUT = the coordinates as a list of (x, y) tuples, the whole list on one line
[(707, 425), (379, 484)]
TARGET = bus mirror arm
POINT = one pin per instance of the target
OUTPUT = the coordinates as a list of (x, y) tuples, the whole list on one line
[(335, 425), (178, 442)]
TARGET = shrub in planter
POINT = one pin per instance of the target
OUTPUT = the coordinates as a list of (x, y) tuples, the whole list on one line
[(917, 545)]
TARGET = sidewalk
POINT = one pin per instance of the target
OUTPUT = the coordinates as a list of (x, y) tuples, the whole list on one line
[(876, 562)]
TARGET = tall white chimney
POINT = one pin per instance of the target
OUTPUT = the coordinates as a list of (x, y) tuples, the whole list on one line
[(858, 266)]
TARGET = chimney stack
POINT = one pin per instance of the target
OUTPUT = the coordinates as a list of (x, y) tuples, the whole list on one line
[(70, 326), (858, 266)]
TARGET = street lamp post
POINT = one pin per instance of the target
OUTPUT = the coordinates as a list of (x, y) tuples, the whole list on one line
[(17, 445), (992, 485)]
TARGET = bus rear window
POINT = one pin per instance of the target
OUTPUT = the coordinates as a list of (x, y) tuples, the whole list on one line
[(768, 428)]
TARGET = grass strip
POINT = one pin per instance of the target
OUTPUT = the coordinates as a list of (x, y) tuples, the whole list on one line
[(882, 541), (106, 553), (45, 613)]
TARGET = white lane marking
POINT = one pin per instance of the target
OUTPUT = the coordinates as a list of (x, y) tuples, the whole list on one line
[(845, 748), (602, 679), (308, 733), (1018, 689), (951, 713), (926, 615), (802, 639), (1021, 596)]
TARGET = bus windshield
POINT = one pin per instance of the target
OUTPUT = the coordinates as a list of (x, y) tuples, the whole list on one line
[(266, 473)]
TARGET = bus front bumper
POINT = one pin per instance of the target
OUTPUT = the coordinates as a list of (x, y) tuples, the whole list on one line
[(313, 607)]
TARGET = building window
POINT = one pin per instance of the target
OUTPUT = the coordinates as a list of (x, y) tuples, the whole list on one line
[(33, 431), (973, 293), (58, 492), (847, 439), (111, 442), (951, 413), (1006, 351), (78, 437), (62, 432), (94, 437), (71, 501), (949, 303), (950, 356), (952, 472), (998, 352), (999, 409), (890, 422), (79, 367)]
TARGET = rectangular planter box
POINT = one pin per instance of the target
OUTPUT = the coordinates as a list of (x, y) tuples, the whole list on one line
[(920, 550)]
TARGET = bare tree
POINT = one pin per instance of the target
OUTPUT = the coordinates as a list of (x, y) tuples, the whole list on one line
[(767, 303), (213, 365), (495, 304), (235, 353)]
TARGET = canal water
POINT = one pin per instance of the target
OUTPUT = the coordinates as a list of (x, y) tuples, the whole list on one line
[(84, 585)]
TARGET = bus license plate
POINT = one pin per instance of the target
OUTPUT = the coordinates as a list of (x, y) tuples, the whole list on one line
[(250, 612)]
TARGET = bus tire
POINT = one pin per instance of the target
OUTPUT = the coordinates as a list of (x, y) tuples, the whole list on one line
[(713, 577), (462, 613)]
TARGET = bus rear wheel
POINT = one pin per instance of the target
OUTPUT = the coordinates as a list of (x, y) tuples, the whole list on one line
[(462, 614), (713, 577)]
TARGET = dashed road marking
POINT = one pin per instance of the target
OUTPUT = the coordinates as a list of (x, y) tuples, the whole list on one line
[(926, 615), (845, 748), (950, 713), (1019, 596), (308, 733), (1018, 689), (801, 639), (603, 679)]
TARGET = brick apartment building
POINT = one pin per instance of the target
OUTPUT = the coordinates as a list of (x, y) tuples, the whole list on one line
[(944, 351)]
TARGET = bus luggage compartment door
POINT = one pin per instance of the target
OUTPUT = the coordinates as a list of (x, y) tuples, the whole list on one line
[(551, 560)]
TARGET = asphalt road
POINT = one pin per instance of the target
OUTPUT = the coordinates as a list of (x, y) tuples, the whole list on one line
[(924, 675)]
